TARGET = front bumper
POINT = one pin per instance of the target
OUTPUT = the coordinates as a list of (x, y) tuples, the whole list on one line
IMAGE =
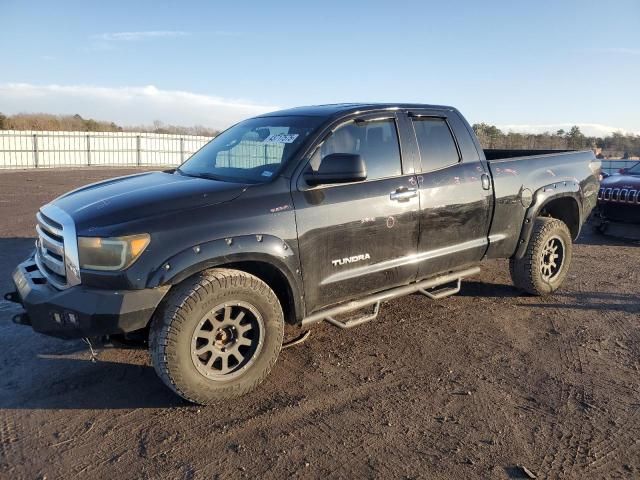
[(618, 212), (80, 311)]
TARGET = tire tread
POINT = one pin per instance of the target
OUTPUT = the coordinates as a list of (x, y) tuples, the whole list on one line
[(169, 321), (523, 271)]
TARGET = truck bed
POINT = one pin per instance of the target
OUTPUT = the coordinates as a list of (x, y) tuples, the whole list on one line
[(517, 171), (501, 154)]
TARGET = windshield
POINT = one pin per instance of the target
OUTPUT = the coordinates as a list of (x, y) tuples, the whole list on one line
[(252, 151), (635, 170)]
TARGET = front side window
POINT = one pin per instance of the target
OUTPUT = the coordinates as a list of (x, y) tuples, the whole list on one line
[(375, 141), (252, 151), (437, 147)]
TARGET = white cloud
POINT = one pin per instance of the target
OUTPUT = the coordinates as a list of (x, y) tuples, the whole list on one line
[(128, 105), (133, 36), (589, 129)]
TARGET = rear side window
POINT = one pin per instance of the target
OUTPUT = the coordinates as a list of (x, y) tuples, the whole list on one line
[(376, 141), (436, 144)]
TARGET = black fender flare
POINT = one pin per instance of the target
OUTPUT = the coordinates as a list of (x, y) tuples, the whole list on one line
[(542, 196), (246, 248)]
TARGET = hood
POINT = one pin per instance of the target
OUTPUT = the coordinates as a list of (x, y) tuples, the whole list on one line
[(142, 196), (630, 182)]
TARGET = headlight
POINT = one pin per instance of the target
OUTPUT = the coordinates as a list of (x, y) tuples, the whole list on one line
[(111, 253)]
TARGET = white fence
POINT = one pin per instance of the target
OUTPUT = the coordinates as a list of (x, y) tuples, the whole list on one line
[(47, 149)]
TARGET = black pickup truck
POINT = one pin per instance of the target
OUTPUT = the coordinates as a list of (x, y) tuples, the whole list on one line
[(298, 216)]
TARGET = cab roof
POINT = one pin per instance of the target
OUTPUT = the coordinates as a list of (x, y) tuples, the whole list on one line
[(339, 109)]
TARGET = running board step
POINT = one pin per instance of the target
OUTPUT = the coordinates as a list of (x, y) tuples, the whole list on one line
[(443, 292), (377, 298), (355, 321)]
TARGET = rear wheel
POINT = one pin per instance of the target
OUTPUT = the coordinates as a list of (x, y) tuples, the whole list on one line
[(217, 335), (545, 264)]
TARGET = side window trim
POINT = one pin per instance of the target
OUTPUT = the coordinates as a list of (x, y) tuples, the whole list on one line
[(370, 117), (417, 117)]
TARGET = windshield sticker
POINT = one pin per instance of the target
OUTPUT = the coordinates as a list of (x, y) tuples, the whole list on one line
[(267, 173), (281, 138)]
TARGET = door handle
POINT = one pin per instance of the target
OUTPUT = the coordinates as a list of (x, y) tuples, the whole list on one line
[(403, 194)]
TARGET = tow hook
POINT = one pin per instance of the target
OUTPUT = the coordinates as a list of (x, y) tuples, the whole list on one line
[(22, 319), (12, 297)]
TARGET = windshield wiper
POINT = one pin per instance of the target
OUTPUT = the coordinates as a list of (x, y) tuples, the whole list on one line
[(211, 176), (208, 176)]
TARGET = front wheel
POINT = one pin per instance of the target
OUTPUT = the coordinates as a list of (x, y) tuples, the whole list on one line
[(217, 335), (545, 264)]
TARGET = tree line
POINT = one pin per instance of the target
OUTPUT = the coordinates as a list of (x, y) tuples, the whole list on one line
[(616, 145), (76, 123)]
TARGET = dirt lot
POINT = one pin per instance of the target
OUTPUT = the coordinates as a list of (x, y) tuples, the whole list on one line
[(473, 386)]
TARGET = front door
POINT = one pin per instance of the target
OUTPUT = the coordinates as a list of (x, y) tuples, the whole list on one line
[(360, 237)]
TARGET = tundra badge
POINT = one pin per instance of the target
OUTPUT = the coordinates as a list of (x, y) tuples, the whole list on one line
[(353, 259)]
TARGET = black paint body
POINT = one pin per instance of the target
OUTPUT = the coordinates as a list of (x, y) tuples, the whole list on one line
[(461, 214)]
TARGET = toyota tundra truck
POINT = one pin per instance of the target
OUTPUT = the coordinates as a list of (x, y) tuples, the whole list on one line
[(295, 217)]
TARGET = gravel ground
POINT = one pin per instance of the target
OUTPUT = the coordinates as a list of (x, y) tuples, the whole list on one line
[(486, 384)]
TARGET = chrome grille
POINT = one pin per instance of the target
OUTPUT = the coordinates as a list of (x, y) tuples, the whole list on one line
[(623, 195), (615, 195), (56, 248)]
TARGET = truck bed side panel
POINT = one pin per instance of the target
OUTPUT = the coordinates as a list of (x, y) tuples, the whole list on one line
[(515, 182)]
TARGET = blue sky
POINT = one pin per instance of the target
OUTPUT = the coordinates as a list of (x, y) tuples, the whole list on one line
[(520, 65)]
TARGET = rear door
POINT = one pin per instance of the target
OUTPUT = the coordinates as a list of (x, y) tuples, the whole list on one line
[(360, 237), (455, 193)]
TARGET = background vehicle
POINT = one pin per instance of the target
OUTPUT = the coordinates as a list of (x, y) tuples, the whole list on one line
[(618, 209), (297, 216)]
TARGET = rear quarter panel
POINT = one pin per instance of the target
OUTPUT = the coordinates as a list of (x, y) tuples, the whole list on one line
[(517, 181)]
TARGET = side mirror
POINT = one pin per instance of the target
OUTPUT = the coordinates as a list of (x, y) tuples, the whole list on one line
[(338, 168), (623, 171)]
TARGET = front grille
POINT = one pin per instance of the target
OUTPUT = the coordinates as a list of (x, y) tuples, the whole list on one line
[(619, 195), (623, 195), (615, 195), (56, 248), (50, 250)]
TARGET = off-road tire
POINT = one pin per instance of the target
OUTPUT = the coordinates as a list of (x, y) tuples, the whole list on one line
[(526, 272), (174, 323)]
